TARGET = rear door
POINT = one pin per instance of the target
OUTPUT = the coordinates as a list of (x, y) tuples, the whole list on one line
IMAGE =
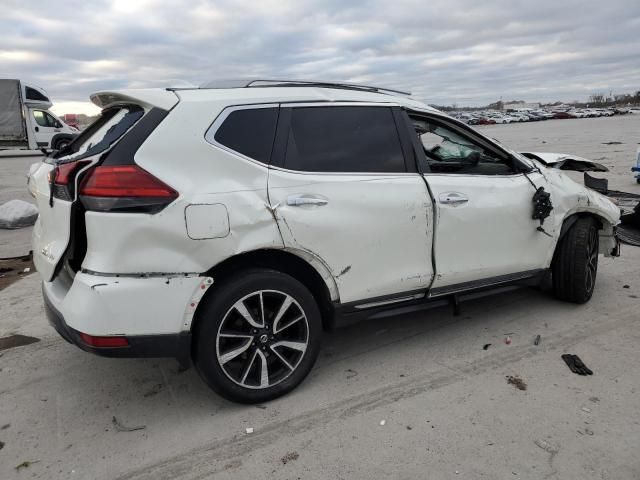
[(345, 192)]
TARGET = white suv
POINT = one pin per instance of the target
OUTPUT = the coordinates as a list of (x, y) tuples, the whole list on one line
[(229, 226)]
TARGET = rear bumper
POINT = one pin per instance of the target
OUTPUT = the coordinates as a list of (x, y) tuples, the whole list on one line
[(166, 345)]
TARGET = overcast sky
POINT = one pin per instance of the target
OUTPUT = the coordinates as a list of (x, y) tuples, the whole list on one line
[(467, 52)]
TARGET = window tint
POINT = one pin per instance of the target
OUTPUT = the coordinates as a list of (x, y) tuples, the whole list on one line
[(343, 139), (52, 122), (40, 118), (249, 132), (33, 94)]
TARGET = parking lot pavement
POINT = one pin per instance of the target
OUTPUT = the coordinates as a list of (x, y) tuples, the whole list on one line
[(447, 408), (446, 403)]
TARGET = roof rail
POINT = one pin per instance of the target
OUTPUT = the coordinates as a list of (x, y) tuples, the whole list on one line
[(249, 83)]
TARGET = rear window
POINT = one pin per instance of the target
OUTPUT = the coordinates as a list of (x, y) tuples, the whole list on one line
[(343, 139), (249, 132), (112, 124)]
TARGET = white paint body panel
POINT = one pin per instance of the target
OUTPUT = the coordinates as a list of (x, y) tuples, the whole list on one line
[(374, 233), (490, 235), (50, 234), (100, 305)]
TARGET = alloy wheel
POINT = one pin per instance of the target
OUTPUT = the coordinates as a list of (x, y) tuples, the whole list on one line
[(262, 339)]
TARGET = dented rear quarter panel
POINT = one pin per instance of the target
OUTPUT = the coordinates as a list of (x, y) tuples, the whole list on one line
[(141, 243)]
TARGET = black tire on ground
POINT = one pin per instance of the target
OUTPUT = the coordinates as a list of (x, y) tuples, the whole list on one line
[(575, 263), (221, 330)]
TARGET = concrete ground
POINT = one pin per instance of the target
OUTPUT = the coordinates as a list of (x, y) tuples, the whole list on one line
[(447, 408), (13, 186)]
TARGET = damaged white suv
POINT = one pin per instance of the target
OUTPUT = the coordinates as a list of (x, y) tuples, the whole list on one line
[(228, 225)]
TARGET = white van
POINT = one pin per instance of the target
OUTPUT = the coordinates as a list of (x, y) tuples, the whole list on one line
[(25, 120)]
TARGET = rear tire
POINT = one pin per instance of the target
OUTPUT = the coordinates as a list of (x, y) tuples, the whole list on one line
[(575, 263), (257, 336)]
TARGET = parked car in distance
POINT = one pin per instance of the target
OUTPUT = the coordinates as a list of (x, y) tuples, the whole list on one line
[(229, 225)]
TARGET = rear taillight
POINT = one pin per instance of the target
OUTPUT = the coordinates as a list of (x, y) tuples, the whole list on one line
[(124, 188), (62, 179)]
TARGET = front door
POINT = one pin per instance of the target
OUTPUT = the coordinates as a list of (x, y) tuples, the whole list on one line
[(45, 127), (484, 228)]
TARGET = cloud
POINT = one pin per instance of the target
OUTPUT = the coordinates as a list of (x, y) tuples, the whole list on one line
[(462, 51)]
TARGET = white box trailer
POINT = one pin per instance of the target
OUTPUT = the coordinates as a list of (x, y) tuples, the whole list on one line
[(25, 120)]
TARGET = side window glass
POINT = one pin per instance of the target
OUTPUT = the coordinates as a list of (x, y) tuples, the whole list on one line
[(343, 139), (40, 118), (52, 122), (249, 132), (451, 151)]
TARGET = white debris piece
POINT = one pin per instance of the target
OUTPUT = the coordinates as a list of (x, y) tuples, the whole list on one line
[(26, 270), (249, 430), (382, 422), (17, 214)]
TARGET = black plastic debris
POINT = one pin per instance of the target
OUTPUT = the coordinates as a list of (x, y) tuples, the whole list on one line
[(537, 340), (576, 365), (486, 346)]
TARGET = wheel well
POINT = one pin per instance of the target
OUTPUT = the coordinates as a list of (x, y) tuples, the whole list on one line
[(568, 222), (284, 262)]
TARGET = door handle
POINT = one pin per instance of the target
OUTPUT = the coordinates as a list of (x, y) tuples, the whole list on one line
[(297, 200), (453, 198)]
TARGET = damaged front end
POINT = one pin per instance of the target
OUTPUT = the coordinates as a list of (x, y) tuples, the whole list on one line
[(561, 161)]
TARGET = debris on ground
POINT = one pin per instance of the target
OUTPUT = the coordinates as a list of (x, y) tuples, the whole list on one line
[(26, 464), (122, 428), (625, 286), (382, 423), (547, 447), (289, 457), (576, 365), (594, 399), (249, 430), (153, 391), (17, 214), (13, 269), (352, 373), (612, 143), (5, 426), (16, 341), (1, 445), (409, 427), (486, 346), (585, 409), (536, 341), (507, 340), (261, 407), (517, 382)]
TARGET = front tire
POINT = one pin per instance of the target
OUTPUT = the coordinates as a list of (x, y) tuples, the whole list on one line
[(575, 263), (257, 336)]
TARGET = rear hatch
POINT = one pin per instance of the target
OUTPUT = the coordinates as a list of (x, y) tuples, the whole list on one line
[(55, 183)]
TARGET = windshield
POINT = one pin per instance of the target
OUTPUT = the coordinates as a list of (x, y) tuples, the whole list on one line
[(110, 126)]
